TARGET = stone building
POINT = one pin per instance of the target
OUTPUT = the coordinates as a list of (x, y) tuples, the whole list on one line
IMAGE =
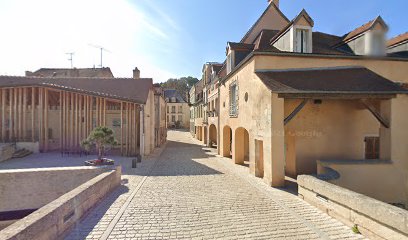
[(295, 101), (104, 72), (57, 113), (177, 110)]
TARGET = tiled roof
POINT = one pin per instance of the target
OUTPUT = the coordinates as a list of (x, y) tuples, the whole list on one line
[(170, 93), (263, 40), (362, 29), (398, 39), (240, 46), (126, 89), (72, 72), (259, 19), (340, 80)]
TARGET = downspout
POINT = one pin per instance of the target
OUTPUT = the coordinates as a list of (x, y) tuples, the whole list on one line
[(142, 131), (219, 116)]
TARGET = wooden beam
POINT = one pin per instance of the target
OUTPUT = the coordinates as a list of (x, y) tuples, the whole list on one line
[(295, 112), (80, 126), (15, 116), (61, 122), (3, 114), (20, 114), (33, 114), (46, 106), (25, 114), (10, 115), (376, 113), (121, 128), (104, 111), (40, 118)]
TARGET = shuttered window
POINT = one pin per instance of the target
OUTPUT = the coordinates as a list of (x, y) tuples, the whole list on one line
[(233, 99), (372, 147)]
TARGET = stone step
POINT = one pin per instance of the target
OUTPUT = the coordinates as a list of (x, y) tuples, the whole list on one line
[(22, 153)]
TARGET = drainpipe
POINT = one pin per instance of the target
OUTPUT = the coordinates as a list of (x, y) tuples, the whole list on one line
[(219, 116), (142, 131)]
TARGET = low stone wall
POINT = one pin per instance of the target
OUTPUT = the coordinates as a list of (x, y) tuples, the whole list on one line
[(56, 218), (6, 151), (375, 219), (33, 188), (374, 180)]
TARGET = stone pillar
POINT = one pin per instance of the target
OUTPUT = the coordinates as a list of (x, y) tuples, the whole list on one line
[(274, 146)]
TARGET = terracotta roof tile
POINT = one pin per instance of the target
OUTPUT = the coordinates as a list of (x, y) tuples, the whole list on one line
[(72, 72), (398, 39)]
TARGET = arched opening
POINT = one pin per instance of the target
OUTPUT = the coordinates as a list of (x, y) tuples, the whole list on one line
[(213, 136), (226, 141), (205, 135), (241, 154)]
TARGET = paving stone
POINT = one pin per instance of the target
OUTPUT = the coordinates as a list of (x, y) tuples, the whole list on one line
[(192, 194)]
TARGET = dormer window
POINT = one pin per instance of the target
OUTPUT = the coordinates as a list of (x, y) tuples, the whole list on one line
[(377, 46), (173, 99), (302, 40), (230, 62)]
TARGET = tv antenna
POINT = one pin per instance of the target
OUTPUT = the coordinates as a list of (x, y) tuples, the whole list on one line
[(71, 54), (102, 49)]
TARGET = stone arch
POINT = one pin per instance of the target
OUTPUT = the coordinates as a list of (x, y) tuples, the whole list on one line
[(213, 135), (226, 141), (205, 129), (241, 146)]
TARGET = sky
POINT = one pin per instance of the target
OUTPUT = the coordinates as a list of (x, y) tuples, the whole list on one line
[(163, 38)]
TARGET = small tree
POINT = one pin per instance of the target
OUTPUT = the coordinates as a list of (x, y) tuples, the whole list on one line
[(100, 137)]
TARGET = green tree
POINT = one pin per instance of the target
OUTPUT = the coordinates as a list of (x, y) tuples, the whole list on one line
[(100, 137), (182, 85)]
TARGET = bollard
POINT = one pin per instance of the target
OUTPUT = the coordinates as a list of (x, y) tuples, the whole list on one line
[(134, 163), (139, 158)]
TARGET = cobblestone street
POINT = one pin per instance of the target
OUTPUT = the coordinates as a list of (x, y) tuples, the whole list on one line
[(189, 193)]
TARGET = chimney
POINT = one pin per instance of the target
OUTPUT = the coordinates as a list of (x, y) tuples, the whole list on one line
[(136, 73), (276, 2)]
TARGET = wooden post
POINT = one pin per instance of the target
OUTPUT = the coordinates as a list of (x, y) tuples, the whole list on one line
[(25, 114), (46, 105), (121, 128), (32, 114), (3, 114), (20, 113), (71, 138), (80, 119), (61, 138), (40, 117), (76, 121), (134, 129), (15, 116)]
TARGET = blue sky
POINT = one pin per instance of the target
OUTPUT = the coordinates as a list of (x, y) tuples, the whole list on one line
[(164, 38)]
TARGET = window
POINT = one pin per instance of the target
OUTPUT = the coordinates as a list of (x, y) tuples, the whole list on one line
[(168, 118), (377, 44), (173, 109), (168, 109), (173, 118), (229, 63), (372, 147), (173, 99), (180, 110), (301, 40), (180, 118), (233, 99)]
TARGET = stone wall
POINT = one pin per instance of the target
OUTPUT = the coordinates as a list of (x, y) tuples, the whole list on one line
[(6, 151), (34, 188), (55, 219), (374, 219)]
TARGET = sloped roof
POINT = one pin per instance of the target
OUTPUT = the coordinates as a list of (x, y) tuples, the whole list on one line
[(126, 89), (340, 80), (259, 19), (304, 14), (170, 93), (398, 39), (72, 72), (263, 40), (240, 46), (362, 29)]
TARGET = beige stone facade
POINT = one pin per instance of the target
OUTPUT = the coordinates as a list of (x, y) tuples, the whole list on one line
[(178, 110), (280, 130)]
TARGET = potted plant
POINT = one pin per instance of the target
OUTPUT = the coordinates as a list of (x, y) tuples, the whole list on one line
[(100, 138)]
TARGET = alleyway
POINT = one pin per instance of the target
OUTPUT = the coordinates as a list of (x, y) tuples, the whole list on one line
[(188, 193)]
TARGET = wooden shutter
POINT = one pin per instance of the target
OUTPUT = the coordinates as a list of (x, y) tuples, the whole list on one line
[(372, 147)]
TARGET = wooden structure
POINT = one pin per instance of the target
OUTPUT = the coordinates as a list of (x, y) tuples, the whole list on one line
[(60, 120)]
